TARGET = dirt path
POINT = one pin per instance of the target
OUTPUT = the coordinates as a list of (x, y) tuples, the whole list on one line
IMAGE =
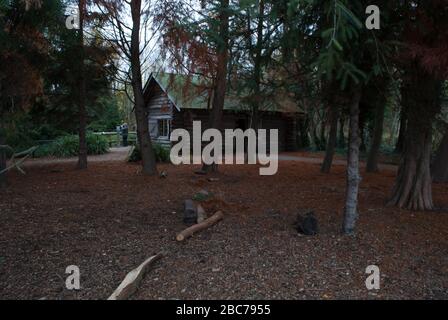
[(120, 154)]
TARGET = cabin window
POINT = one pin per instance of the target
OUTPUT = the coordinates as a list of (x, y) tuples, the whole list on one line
[(160, 128), (164, 128), (153, 128)]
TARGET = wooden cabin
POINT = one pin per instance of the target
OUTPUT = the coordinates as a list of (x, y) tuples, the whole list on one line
[(174, 102)]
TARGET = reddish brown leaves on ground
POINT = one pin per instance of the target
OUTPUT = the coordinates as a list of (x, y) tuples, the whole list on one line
[(109, 218)]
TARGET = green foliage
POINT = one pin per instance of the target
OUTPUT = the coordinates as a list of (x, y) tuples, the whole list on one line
[(68, 146), (202, 196), (162, 153), (105, 114), (339, 58)]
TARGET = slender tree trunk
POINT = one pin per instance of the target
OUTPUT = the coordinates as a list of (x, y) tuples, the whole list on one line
[(3, 177), (362, 136), (257, 68), (402, 132), (372, 159), (420, 95), (215, 120), (322, 138), (304, 140), (341, 139), (82, 154), (313, 133), (353, 176), (332, 140), (141, 115), (440, 165)]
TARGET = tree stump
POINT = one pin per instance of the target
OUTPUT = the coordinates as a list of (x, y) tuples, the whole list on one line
[(190, 212)]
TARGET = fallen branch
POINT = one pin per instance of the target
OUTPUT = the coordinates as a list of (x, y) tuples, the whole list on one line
[(200, 226), (202, 215), (16, 164), (130, 283)]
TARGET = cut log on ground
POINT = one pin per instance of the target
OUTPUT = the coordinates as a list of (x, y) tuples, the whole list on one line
[(200, 226), (202, 215), (130, 283)]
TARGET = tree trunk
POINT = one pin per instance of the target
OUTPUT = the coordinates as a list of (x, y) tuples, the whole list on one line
[(332, 140), (353, 176), (313, 134), (362, 132), (147, 152), (221, 75), (372, 159), (440, 165), (421, 98), (82, 153), (304, 140), (341, 139), (322, 138), (257, 67), (402, 132), (3, 177)]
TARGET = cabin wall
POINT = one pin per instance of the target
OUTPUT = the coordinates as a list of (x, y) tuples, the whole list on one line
[(164, 117), (286, 124), (160, 109)]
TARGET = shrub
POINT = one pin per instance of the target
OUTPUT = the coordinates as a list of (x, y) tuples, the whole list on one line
[(162, 153), (68, 146)]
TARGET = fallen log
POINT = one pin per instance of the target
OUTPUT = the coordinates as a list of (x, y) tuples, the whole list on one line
[(202, 215), (130, 283), (200, 226)]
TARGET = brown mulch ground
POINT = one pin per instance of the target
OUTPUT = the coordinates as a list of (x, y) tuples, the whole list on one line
[(108, 219)]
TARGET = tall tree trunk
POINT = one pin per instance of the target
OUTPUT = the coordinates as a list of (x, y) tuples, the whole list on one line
[(332, 140), (322, 138), (257, 67), (3, 177), (82, 153), (304, 140), (215, 119), (402, 132), (362, 136), (313, 131), (341, 138), (141, 115), (372, 159), (440, 165), (420, 95), (353, 176)]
